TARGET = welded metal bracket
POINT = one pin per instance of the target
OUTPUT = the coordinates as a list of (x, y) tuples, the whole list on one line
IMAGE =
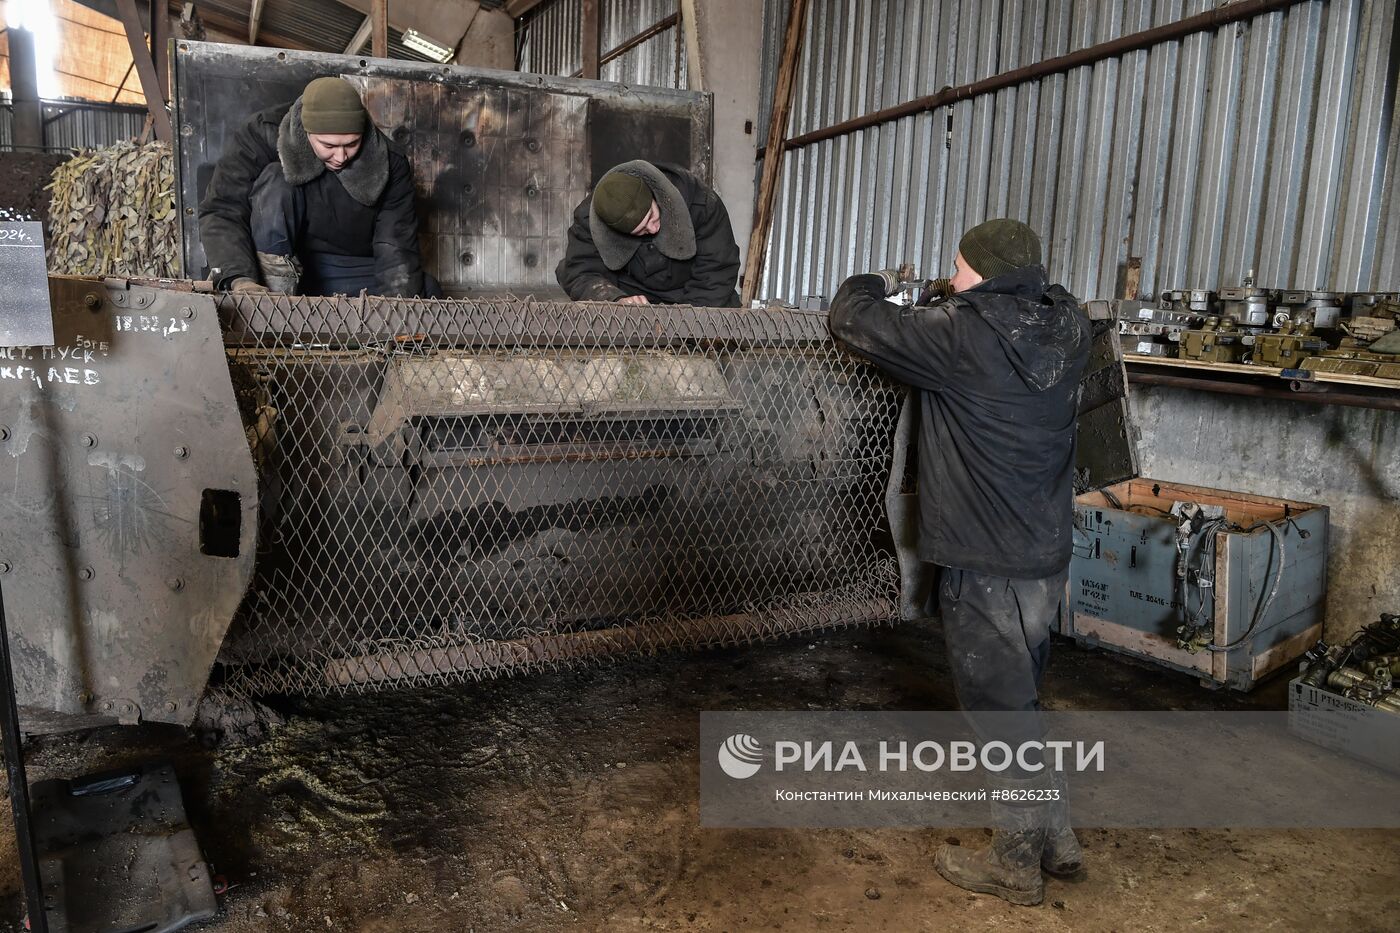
[(130, 505)]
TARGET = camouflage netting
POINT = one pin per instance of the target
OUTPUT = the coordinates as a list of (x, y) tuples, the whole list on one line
[(113, 213)]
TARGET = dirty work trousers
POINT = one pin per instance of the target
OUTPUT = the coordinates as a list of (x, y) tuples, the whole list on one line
[(997, 632)]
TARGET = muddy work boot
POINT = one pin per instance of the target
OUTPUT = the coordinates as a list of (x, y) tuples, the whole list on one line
[(280, 273), (1010, 866), (1062, 856)]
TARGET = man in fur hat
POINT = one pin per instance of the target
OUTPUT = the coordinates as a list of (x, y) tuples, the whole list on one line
[(651, 234), (310, 198)]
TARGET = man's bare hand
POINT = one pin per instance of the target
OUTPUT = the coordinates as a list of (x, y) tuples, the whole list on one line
[(634, 300)]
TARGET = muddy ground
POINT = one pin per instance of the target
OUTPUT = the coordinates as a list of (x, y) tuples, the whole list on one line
[(569, 801)]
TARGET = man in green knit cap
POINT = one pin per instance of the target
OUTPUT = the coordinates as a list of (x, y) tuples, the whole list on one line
[(996, 367), (651, 234), (311, 198)]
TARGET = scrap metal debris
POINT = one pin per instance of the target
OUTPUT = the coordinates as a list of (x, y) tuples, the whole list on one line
[(113, 213)]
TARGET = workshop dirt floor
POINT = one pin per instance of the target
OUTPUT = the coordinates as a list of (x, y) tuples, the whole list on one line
[(569, 801)]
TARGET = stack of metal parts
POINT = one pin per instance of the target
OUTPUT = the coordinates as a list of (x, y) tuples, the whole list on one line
[(1366, 669), (1322, 331), (113, 213), (462, 489)]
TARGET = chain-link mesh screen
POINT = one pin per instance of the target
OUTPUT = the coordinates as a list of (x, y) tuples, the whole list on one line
[(460, 489)]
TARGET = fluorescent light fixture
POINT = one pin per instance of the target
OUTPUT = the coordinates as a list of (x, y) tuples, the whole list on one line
[(424, 46)]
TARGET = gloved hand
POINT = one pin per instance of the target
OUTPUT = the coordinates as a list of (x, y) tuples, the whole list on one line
[(246, 286), (935, 290), (894, 277)]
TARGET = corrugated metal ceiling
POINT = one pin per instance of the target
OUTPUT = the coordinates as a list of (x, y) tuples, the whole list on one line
[(318, 25)]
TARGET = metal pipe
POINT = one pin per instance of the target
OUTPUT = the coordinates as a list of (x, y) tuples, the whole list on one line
[(651, 32), (1211, 19), (490, 658), (24, 84), (1389, 402)]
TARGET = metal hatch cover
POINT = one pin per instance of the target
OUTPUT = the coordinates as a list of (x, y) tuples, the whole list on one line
[(130, 505), (1106, 445)]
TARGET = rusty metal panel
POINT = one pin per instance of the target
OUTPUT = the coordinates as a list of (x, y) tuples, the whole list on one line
[(129, 503), (500, 159), (461, 489)]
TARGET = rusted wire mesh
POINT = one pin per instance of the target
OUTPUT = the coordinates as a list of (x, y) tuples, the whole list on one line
[(460, 489)]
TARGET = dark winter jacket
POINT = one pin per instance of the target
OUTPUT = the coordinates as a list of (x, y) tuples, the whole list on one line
[(366, 209), (693, 260), (998, 369)]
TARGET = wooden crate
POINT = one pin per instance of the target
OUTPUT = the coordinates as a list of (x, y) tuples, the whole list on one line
[(1124, 593)]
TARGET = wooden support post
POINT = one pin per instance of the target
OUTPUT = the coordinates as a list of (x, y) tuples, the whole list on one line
[(773, 154), (145, 69), (361, 36), (254, 21), (690, 30), (379, 31), (679, 51), (589, 26), (160, 45)]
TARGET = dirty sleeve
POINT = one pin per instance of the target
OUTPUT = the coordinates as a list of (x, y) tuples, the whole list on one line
[(225, 212), (582, 273), (915, 345), (716, 268), (398, 266)]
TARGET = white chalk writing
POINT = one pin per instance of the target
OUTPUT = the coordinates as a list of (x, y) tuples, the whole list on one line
[(151, 324), (83, 354)]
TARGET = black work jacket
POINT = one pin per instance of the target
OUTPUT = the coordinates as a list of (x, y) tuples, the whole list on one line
[(997, 368), (706, 280)]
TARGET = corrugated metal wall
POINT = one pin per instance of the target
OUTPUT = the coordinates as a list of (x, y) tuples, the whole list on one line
[(1262, 145), (79, 126), (73, 125), (551, 42)]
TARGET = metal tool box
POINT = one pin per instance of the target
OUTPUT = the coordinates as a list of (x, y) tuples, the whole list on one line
[(1126, 594)]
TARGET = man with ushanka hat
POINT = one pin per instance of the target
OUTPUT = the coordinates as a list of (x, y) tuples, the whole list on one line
[(996, 369), (651, 234), (309, 197)]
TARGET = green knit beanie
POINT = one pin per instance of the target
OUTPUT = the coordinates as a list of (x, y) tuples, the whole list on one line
[(622, 201), (1000, 245), (332, 106)]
